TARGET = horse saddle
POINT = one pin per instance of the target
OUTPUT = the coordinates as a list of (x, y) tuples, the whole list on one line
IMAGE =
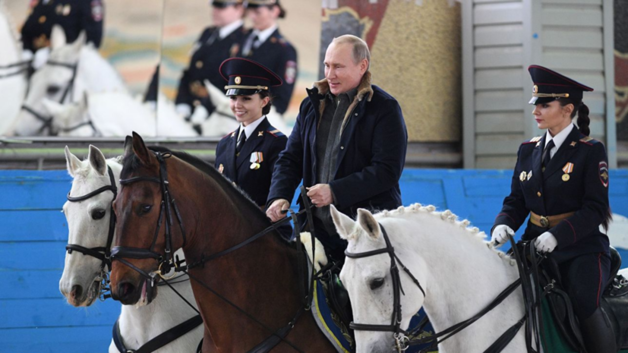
[(614, 304)]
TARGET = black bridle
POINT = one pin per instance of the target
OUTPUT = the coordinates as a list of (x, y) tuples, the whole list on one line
[(400, 335), (99, 252), (23, 65), (403, 338), (47, 120), (166, 261)]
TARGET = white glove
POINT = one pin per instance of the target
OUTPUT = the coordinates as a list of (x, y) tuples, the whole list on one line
[(184, 110), (200, 115), (501, 233), (27, 55), (40, 58), (545, 242)]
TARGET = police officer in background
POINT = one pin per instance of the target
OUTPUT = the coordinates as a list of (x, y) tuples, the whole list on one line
[(265, 45), (73, 15), (247, 156), (561, 181), (216, 43)]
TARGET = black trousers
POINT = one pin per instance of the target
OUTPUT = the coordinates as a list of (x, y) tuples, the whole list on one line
[(583, 278)]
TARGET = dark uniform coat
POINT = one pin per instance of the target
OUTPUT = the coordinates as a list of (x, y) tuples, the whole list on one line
[(210, 52), (585, 192), (278, 55), (370, 160), (73, 15), (255, 182)]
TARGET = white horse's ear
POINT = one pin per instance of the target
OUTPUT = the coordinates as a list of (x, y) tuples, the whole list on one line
[(52, 107), (97, 160), (140, 149), (84, 103), (345, 226), (368, 223), (80, 40), (73, 163), (57, 37)]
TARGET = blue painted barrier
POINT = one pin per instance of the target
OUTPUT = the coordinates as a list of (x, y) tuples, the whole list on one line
[(34, 317)]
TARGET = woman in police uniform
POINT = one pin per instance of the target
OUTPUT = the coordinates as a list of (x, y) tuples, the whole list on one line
[(561, 181), (247, 156), (265, 45)]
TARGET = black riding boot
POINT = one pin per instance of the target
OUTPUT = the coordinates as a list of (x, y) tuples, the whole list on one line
[(598, 333)]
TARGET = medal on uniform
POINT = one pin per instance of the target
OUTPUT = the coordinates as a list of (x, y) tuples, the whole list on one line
[(529, 175), (522, 176), (221, 168), (256, 159), (66, 10), (568, 168)]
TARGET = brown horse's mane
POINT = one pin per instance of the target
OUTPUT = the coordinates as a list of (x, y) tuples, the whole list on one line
[(132, 163)]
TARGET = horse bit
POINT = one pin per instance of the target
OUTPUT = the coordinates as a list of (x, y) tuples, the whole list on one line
[(99, 252)]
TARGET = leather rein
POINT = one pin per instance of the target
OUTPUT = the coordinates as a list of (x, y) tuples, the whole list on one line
[(167, 262), (404, 339)]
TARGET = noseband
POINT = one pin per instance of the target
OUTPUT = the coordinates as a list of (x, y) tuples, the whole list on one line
[(99, 252), (47, 120), (400, 335), (166, 262)]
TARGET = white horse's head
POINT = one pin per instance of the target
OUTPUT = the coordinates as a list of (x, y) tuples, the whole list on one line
[(369, 281), (88, 225), (56, 81)]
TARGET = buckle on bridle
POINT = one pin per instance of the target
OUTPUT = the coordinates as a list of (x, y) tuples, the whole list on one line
[(401, 342), (163, 273)]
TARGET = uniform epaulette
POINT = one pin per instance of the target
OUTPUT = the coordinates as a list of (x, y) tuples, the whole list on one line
[(276, 133), (231, 134), (532, 140), (588, 140)]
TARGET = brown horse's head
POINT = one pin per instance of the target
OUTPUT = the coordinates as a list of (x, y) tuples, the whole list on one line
[(139, 245)]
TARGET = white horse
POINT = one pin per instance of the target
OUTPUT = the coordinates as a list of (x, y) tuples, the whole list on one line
[(71, 70), (113, 114), (12, 73), (88, 224), (460, 274), (222, 121)]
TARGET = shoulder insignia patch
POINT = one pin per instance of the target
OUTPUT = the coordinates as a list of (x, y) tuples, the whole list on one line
[(604, 173), (532, 140), (276, 133), (589, 140)]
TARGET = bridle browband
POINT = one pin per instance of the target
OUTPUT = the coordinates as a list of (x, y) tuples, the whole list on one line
[(99, 252), (403, 338), (166, 263), (47, 121)]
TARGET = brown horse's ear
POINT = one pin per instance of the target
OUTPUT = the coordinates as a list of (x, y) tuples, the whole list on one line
[(128, 146), (140, 149)]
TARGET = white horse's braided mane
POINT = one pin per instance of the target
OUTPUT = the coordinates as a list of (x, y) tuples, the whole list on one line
[(450, 217)]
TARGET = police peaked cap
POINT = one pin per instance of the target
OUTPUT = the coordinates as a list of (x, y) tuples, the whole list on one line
[(246, 77), (550, 85), (258, 3), (225, 3)]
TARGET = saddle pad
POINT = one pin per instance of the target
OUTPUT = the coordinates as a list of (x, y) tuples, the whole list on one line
[(553, 340), (339, 335)]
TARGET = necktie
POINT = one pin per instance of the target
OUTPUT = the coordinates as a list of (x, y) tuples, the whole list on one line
[(546, 154), (241, 140), (248, 46)]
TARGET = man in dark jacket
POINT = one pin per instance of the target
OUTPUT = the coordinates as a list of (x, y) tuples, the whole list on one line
[(348, 145)]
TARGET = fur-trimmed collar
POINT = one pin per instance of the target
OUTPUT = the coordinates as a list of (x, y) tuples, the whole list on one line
[(364, 88)]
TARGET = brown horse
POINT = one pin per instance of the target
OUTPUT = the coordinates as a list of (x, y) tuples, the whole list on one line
[(247, 297)]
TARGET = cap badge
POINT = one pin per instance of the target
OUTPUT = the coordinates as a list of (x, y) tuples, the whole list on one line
[(535, 89), (237, 80)]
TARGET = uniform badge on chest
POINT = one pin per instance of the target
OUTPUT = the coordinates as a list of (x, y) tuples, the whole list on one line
[(567, 169), (256, 159)]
